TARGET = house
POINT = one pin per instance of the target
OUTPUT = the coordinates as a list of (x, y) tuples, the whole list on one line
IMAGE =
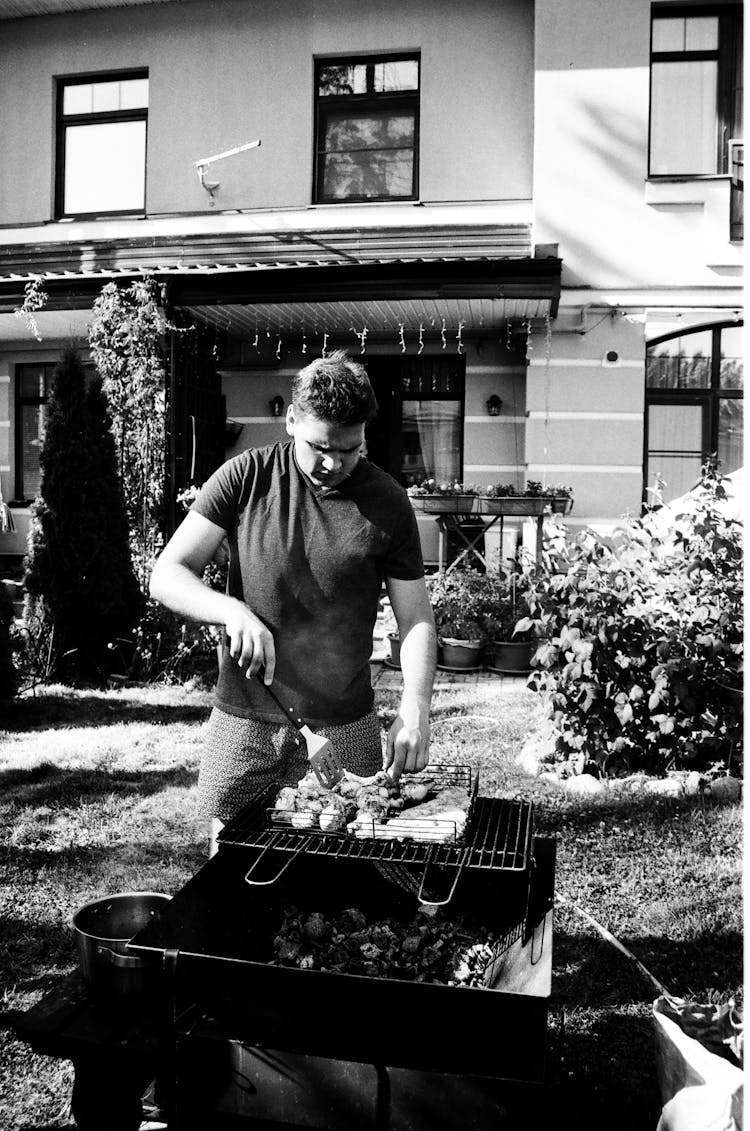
[(538, 201)]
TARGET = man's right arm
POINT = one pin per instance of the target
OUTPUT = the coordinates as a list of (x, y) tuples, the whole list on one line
[(176, 583)]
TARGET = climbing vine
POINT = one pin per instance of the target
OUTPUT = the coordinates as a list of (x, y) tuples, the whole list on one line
[(126, 339)]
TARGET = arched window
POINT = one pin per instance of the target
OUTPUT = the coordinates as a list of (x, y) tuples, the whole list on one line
[(694, 388)]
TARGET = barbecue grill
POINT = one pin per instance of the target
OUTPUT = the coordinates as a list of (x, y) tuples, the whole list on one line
[(215, 939)]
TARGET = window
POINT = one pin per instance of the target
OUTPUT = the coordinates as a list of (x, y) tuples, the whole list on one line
[(33, 383), (696, 89), (418, 432), (101, 145), (32, 390), (694, 390), (367, 127)]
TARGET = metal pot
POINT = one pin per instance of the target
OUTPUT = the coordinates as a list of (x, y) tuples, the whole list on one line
[(103, 930)]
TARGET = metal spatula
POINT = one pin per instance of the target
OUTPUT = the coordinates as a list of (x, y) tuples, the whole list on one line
[(323, 759)]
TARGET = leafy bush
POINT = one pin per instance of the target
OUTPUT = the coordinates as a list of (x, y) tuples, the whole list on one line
[(642, 640)]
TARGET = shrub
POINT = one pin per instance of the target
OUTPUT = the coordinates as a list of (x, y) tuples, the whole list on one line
[(642, 641)]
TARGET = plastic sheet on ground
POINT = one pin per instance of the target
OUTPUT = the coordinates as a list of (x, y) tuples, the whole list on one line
[(699, 1065)]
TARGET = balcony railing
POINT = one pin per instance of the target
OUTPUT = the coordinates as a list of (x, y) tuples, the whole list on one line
[(736, 201)]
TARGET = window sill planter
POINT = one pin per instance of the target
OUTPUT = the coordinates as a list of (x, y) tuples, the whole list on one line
[(561, 504), (513, 656), (443, 504), (459, 653), (524, 505)]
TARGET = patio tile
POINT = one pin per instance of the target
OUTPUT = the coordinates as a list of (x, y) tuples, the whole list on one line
[(389, 679)]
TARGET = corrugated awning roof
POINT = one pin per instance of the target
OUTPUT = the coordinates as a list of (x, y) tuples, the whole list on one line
[(478, 278), (21, 9)]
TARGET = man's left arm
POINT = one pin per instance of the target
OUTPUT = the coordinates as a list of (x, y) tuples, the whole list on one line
[(408, 743)]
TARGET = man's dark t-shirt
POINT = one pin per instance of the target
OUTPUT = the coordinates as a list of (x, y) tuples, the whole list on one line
[(310, 565)]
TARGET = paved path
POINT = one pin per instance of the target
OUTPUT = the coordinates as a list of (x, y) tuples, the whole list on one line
[(386, 678)]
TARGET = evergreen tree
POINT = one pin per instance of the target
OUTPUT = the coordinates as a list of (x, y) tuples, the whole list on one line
[(81, 593), (7, 670)]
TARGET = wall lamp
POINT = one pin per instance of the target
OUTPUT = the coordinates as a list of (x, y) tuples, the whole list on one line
[(494, 404), (276, 405)]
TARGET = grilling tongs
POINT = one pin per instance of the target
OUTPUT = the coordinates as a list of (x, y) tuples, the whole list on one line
[(323, 759)]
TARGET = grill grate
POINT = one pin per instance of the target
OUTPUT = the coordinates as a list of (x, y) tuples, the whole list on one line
[(498, 836)]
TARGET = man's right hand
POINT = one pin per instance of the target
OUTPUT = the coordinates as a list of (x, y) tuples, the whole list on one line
[(250, 642)]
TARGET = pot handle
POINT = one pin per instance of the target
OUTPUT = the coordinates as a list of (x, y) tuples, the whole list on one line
[(265, 883), (122, 961)]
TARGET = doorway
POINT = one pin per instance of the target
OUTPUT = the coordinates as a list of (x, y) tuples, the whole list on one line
[(418, 431)]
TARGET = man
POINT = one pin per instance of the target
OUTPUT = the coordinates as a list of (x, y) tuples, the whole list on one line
[(314, 529)]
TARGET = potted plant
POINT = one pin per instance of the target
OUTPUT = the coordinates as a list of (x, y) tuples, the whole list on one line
[(460, 601), (509, 629)]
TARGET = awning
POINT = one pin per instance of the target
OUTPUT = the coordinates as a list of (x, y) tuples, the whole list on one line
[(476, 279)]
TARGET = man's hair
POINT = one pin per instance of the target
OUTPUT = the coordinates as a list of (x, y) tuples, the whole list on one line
[(335, 389)]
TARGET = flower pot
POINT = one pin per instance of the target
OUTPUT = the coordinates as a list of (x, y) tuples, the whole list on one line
[(561, 504), (511, 655), (395, 646), (460, 653)]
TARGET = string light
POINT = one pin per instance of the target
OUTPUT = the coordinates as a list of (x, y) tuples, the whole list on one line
[(421, 338), (278, 348), (362, 335), (442, 334), (401, 337), (325, 343), (256, 339), (460, 346), (304, 340)]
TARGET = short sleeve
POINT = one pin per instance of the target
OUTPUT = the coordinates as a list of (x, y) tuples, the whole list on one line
[(404, 559), (219, 497)]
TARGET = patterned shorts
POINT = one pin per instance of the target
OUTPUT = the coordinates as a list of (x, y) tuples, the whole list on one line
[(241, 756)]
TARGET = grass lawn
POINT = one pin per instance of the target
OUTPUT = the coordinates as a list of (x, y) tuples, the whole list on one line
[(97, 797)]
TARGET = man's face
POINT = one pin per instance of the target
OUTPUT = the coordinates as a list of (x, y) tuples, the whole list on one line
[(326, 453)]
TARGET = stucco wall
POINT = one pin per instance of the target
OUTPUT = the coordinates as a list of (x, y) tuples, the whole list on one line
[(591, 193), (225, 72)]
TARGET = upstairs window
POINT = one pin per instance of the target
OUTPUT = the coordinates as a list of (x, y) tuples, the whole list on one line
[(367, 128), (696, 89), (101, 145)]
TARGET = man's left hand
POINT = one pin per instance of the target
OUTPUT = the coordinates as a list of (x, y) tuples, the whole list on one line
[(407, 746)]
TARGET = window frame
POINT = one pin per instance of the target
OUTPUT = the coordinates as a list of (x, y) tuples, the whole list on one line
[(730, 19), (63, 121), (21, 402), (709, 398), (392, 99)]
